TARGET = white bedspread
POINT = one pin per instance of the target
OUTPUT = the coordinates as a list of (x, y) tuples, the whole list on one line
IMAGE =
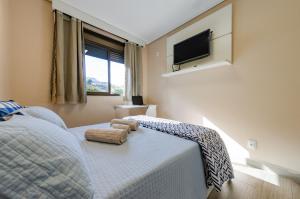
[(149, 165)]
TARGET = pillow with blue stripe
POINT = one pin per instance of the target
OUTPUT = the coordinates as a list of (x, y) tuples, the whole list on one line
[(7, 108)]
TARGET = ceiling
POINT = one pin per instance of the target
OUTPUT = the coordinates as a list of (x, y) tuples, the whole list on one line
[(144, 19)]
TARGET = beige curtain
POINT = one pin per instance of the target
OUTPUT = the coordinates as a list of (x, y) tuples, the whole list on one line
[(133, 64), (67, 86)]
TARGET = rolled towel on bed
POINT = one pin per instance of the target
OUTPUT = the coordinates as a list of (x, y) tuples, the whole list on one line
[(113, 136), (133, 124), (121, 126)]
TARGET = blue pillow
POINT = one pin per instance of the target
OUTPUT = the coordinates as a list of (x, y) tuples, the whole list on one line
[(7, 108)]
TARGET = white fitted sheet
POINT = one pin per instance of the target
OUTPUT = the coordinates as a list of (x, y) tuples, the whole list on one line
[(150, 165)]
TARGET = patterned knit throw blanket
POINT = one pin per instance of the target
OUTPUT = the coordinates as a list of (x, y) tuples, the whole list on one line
[(217, 164)]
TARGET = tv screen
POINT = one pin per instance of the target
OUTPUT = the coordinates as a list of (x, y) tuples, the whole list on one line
[(192, 48)]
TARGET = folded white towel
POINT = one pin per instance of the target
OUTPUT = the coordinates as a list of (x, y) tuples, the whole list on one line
[(133, 124)]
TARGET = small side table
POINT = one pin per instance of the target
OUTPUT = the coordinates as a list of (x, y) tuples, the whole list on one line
[(131, 110)]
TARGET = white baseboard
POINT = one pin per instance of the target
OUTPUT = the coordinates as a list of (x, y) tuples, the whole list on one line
[(275, 168), (209, 191)]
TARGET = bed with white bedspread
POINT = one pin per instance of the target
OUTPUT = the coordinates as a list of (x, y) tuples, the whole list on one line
[(41, 158)]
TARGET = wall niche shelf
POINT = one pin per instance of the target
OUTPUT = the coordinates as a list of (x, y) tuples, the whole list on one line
[(198, 68), (220, 23)]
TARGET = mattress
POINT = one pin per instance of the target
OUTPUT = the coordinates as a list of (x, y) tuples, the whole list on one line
[(150, 165)]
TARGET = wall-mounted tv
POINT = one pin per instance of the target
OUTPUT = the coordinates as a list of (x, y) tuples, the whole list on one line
[(193, 48)]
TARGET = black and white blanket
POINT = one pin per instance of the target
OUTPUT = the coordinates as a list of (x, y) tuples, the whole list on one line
[(217, 164)]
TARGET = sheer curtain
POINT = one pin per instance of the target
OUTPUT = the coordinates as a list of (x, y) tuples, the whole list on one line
[(67, 82), (133, 64)]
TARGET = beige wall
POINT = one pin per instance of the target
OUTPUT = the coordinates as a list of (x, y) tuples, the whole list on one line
[(31, 25), (4, 49), (257, 97)]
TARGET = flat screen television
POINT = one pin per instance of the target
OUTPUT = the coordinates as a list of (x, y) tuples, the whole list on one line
[(193, 48)]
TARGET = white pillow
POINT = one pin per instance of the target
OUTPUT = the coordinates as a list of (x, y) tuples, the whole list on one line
[(44, 114), (41, 160)]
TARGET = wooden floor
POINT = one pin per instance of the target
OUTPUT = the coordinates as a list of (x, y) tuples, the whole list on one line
[(248, 187)]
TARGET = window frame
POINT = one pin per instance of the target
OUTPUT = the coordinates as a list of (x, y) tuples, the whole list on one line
[(109, 50)]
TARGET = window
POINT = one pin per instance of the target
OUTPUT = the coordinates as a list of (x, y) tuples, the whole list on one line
[(104, 65)]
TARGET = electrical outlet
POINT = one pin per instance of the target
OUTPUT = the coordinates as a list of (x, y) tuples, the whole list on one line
[(252, 144)]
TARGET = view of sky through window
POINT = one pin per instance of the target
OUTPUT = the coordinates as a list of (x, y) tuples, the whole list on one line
[(117, 78), (97, 75)]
